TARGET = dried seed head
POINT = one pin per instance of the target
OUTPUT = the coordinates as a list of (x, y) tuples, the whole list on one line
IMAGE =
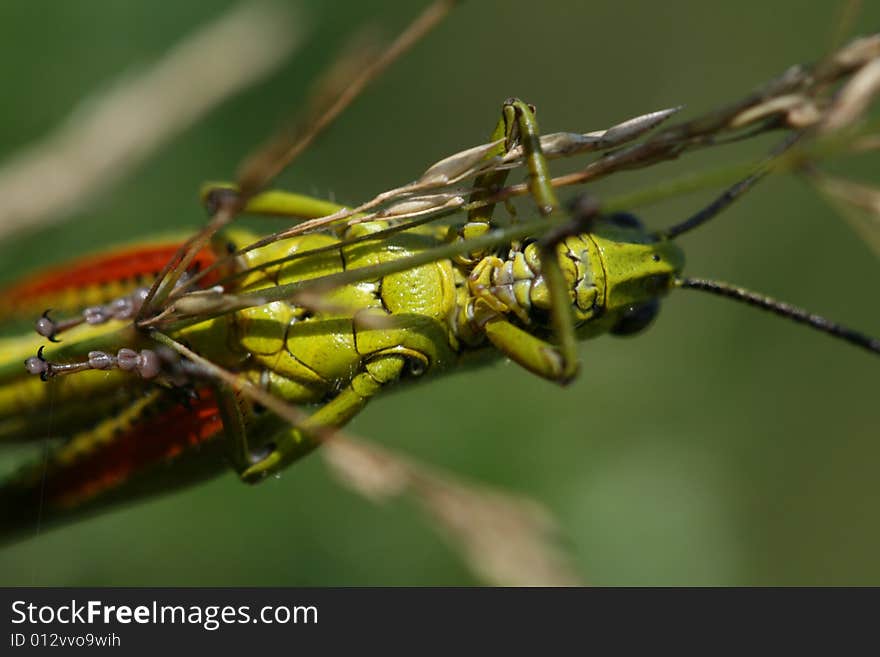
[(95, 315), (457, 165), (46, 326)]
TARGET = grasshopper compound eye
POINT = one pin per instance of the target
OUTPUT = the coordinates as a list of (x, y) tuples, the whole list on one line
[(636, 319)]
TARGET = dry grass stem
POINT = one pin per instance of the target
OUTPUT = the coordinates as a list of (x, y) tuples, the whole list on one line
[(111, 133)]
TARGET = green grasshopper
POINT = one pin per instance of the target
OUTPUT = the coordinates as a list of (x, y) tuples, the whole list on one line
[(393, 311), (394, 305)]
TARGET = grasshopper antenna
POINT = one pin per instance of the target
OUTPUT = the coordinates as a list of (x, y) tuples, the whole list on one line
[(782, 309), (732, 193)]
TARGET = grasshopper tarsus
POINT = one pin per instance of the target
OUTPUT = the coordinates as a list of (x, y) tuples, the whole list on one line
[(37, 365)]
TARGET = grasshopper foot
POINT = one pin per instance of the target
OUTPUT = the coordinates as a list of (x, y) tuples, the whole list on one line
[(146, 362)]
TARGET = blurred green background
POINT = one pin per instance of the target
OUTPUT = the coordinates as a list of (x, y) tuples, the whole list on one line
[(722, 447)]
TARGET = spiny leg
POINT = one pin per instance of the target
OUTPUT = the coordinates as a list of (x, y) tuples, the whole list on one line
[(159, 364), (122, 308), (271, 202), (290, 443), (479, 220)]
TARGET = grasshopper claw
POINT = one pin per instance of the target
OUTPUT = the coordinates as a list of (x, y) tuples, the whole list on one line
[(266, 466)]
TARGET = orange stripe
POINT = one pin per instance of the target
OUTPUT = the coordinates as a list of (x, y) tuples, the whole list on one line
[(78, 282)]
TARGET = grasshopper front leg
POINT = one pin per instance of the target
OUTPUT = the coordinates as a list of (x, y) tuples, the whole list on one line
[(554, 362)]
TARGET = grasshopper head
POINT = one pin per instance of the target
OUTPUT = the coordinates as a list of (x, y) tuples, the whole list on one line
[(638, 269)]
